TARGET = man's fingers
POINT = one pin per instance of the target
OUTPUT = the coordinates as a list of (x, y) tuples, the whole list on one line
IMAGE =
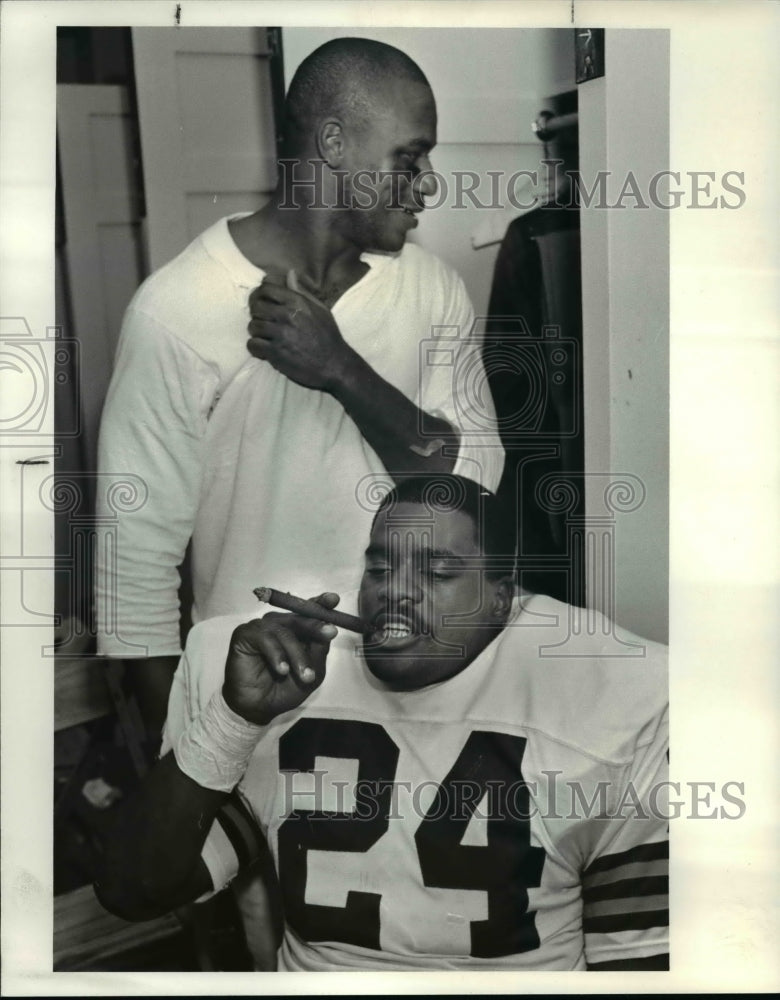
[(274, 654), (264, 328), (259, 348), (303, 643), (264, 337), (274, 293), (264, 310), (329, 599), (252, 643), (254, 652), (273, 277), (278, 622), (297, 655), (279, 642), (311, 630), (296, 284), (274, 664), (271, 292)]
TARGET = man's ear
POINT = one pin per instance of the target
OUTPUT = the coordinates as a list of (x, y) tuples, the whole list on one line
[(503, 594), (330, 142)]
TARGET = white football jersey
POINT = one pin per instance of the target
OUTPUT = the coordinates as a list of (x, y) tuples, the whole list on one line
[(511, 817)]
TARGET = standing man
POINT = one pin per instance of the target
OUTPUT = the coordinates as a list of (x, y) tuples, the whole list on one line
[(360, 363)]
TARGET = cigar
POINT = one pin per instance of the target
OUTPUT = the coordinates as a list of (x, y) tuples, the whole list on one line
[(309, 609)]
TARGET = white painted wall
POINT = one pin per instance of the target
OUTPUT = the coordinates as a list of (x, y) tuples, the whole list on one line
[(490, 85), (624, 126)]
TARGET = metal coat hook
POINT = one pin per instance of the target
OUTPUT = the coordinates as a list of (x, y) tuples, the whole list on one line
[(547, 125)]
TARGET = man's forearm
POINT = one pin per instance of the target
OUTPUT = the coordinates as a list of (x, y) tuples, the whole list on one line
[(150, 681), (392, 424), (151, 862)]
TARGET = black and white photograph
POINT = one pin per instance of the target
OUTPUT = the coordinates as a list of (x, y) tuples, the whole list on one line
[(388, 437)]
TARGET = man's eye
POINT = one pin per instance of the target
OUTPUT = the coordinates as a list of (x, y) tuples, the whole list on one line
[(377, 570), (441, 574)]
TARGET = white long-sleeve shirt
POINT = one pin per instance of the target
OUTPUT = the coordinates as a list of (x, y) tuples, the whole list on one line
[(273, 481)]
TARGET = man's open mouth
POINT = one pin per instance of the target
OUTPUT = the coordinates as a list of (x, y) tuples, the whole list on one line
[(393, 631)]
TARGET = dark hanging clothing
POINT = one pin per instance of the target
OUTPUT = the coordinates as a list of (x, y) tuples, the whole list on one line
[(532, 353)]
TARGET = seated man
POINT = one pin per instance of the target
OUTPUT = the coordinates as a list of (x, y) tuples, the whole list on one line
[(446, 791)]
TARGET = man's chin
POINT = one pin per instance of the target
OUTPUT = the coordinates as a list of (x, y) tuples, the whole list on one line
[(396, 672), (388, 246), (388, 239), (405, 670)]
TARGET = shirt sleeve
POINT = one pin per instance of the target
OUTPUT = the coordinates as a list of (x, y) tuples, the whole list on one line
[(625, 882), (455, 387), (150, 466)]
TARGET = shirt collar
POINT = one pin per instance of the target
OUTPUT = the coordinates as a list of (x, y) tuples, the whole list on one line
[(220, 245)]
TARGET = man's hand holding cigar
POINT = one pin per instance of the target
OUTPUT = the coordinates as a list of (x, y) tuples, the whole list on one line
[(275, 662)]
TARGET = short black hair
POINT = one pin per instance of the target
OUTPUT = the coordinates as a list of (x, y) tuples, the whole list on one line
[(345, 77), (493, 523)]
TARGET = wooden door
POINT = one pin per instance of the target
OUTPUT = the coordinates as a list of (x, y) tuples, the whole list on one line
[(103, 245), (206, 113)]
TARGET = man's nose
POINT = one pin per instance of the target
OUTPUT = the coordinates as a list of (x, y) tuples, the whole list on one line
[(402, 582), (426, 182), (401, 586)]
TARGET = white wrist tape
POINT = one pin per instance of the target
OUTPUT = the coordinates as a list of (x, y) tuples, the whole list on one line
[(216, 747)]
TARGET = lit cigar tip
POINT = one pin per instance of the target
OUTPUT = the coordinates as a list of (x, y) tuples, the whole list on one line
[(262, 594)]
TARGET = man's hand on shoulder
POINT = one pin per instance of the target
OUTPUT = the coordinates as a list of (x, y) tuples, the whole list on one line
[(297, 335), (275, 663)]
